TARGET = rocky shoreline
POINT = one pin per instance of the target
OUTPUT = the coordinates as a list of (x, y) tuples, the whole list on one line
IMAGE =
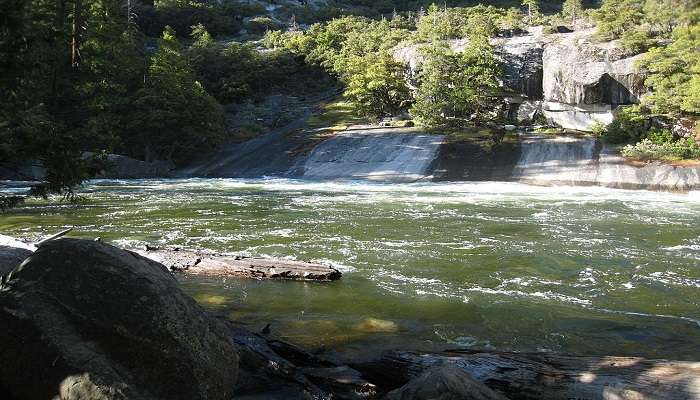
[(84, 319)]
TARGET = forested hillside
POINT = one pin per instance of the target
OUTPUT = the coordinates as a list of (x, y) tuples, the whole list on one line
[(159, 80)]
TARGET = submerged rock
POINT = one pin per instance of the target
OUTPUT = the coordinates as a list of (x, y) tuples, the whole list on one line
[(83, 319), (446, 382)]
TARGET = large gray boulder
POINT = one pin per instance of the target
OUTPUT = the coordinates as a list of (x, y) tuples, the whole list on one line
[(83, 319), (579, 70)]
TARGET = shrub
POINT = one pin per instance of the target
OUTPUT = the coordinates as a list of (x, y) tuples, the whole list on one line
[(637, 41), (660, 136), (630, 125), (376, 85), (647, 149), (260, 25)]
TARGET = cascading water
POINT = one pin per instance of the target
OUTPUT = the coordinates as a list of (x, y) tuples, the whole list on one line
[(557, 160), (566, 160), (376, 155)]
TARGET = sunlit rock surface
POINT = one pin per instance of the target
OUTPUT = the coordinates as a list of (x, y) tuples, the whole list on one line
[(566, 160), (581, 117), (377, 154), (579, 71)]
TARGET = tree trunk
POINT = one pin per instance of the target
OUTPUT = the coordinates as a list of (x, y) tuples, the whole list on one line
[(75, 35), (58, 50), (549, 376)]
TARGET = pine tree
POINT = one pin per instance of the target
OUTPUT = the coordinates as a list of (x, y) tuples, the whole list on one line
[(572, 9), (177, 116)]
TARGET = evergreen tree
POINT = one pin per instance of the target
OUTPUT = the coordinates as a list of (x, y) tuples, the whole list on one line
[(176, 117), (376, 85), (572, 9), (533, 10), (674, 74), (457, 89)]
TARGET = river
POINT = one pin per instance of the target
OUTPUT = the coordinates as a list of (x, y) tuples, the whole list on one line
[(426, 265)]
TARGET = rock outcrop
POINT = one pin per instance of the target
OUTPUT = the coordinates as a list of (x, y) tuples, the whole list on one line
[(82, 319), (370, 153), (580, 80), (580, 71), (585, 81)]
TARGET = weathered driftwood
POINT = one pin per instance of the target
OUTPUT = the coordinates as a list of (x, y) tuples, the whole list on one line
[(213, 264), (548, 375)]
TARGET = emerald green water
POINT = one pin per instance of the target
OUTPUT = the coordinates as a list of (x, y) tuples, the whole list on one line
[(488, 265)]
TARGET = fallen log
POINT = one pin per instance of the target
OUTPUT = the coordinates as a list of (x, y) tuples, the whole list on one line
[(548, 375), (213, 264)]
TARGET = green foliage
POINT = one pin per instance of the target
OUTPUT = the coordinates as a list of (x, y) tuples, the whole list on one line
[(572, 10), (649, 149), (615, 17), (376, 85), (456, 89), (534, 15), (237, 72), (512, 21), (660, 136), (260, 25), (630, 125), (219, 18), (636, 40), (665, 15), (674, 73), (452, 23)]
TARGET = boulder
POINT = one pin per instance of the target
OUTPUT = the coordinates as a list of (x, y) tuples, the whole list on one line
[(581, 117), (446, 382), (83, 319), (577, 70), (528, 111)]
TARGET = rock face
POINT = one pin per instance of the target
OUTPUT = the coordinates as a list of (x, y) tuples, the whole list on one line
[(83, 319), (584, 81), (581, 81), (388, 155), (579, 71), (585, 161)]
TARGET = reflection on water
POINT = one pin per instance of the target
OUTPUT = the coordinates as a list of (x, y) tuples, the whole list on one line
[(502, 265)]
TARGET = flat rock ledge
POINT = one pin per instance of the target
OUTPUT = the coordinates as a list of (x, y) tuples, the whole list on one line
[(214, 264)]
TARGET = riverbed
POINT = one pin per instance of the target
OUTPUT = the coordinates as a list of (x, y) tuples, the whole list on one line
[(426, 265)]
